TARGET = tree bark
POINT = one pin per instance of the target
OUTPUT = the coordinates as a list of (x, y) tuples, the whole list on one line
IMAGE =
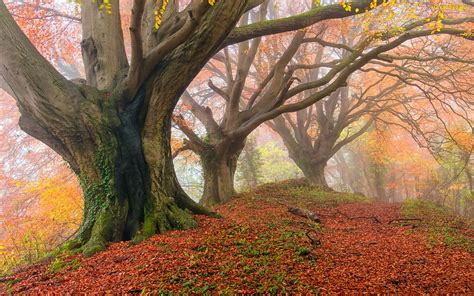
[(219, 166), (315, 174), (312, 167), (310, 157), (117, 141), (123, 198), (218, 180)]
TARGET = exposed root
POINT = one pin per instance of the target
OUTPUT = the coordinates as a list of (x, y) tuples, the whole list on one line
[(314, 241), (406, 221), (93, 246), (305, 214), (185, 202), (311, 216)]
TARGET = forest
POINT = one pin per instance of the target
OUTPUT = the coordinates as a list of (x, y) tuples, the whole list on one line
[(236, 147)]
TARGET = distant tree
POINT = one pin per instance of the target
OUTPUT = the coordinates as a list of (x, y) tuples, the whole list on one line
[(254, 83), (250, 163), (314, 135)]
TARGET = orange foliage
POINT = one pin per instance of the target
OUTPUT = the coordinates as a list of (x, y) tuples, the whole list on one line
[(37, 216)]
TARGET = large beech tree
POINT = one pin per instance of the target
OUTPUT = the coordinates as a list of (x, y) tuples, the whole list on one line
[(314, 135), (252, 94), (113, 128)]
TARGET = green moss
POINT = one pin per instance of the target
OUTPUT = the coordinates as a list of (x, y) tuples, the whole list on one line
[(441, 225), (98, 193), (71, 245), (58, 264), (180, 219), (168, 217), (149, 227), (326, 198), (101, 189), (93, 246)]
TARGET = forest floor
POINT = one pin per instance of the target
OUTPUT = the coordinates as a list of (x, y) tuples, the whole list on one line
[(260, 246)]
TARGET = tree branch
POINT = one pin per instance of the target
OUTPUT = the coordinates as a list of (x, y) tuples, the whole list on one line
[(103, 49), (295, 22), (136, 62)]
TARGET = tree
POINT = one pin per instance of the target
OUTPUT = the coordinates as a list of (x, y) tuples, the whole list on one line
[(255, 87), (250, 163), (37, 216), (434, 111), (314, 135), (113, 128), (439, 114)]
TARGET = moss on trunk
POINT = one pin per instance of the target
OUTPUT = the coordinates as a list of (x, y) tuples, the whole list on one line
[(219, 165), (126, 197)]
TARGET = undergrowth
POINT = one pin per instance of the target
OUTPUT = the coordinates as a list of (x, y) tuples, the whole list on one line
[(301, 193), (327, 198), (440, 223), (59, 264)]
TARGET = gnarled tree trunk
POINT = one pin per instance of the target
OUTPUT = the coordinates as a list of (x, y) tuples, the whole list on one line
[(113, 129), (125, 197), (219, 164), (315, 173)]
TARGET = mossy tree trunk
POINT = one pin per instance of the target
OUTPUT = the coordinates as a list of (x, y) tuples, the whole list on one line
[(314, 172), (219, 165), (310, 155), (124, 196), (313, 136), (114, 127)]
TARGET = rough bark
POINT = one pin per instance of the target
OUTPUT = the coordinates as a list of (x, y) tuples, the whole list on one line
[(119, 201), (219, 171), (142, 166), (315, 174), (103, 50), (310, 156), (119, 145)]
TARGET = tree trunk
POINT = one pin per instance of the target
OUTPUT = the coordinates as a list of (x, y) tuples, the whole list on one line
[(315, 173), (311, 165), (219, 166), (378, 173), (218, 181), (115, 131), (127, 195)]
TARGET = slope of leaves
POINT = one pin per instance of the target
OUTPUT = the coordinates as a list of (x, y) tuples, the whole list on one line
[(258, 246), (440, 224)]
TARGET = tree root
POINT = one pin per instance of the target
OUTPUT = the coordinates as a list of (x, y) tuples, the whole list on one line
[(413, 225), (314, 241), (185, 202), (93, 246), (305, 214), (311, 216)]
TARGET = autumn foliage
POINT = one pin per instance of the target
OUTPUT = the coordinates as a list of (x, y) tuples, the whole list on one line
[(260, 247), (379, 99)]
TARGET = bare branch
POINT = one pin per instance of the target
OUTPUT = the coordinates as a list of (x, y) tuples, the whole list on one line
[(296, 22)]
